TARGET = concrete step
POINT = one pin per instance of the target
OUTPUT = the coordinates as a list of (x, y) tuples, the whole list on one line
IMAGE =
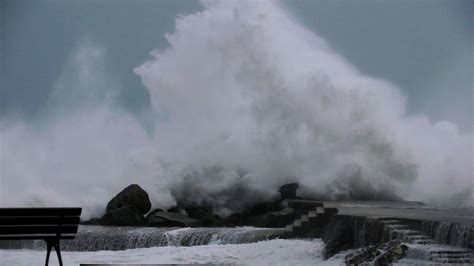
[(423, 241), (314, 220), (449, 251), (402, 233), (459, 256), (405, 232), (304, 218), (453, 261), (391, 221), (297, 223), (451, 256), (305, 225), (392, 227), (319, 210), (416, 237), (313, 217), (330, 211)]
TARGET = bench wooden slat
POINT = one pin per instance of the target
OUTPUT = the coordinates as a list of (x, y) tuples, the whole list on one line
[(40, 211), (40, 229), (49, 224), (35, 220), (33, 237)]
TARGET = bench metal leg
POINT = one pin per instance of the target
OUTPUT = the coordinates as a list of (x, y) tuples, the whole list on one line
[(48, 250), (58, 252), (50, 244)]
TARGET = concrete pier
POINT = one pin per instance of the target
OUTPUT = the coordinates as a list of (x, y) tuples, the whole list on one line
[(409, 210), (432, 233)]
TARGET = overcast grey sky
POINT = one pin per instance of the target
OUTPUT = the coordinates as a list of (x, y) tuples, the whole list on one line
[(423, 46)]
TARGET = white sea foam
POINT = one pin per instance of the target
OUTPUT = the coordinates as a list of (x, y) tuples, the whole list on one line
[(245, 99), (272, 252)]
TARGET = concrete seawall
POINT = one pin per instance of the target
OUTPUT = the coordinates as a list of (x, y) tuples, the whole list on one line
[(362, 224)]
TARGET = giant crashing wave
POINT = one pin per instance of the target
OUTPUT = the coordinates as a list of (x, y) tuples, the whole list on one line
[(245, 99)]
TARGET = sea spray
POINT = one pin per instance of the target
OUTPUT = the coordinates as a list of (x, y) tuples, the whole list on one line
[(260, 92), (245, 100)]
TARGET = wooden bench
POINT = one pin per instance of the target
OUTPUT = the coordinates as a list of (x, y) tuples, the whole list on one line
[(48, 224)]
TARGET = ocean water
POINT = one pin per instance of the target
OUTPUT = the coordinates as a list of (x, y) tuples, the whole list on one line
[(271, 252)]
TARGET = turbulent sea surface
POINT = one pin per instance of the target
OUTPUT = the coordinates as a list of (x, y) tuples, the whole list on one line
[(271, 252), (135, 245)]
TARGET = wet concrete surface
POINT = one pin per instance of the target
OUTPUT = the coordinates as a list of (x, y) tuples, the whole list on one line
[(408, 210)]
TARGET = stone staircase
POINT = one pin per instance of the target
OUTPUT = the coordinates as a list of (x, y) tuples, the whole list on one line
[(306, 221), (460, 256), (312, 223), (397, 230), (422, 246)]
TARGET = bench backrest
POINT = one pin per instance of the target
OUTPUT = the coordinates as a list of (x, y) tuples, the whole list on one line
[(39, 223)]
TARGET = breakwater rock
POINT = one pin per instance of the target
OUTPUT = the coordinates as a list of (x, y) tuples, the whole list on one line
[(131, 207), (381, 254)]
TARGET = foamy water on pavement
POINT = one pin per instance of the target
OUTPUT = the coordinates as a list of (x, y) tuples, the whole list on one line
[(272, 252)]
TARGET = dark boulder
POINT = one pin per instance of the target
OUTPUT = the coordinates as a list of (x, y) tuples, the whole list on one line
[(280, 218), (170, 219), (177, 209), (132, 195), (392, 254), (288, 191), (204, 215), (256, 220), (151, 220), (257, 216), (380, 254), (263, 208), (125, 216), (155, 211), (363, 255), (235, 219)]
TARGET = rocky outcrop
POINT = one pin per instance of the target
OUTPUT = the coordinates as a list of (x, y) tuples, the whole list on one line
[(258, 214), (235, 219), (124, 216), (280, 218), (382, 254), (132, 195), (154, 221), (256, 220), (263, 208), (288, 191), (170, 219), (274, 214), (204, 215), (125, 209), (177, 209)]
